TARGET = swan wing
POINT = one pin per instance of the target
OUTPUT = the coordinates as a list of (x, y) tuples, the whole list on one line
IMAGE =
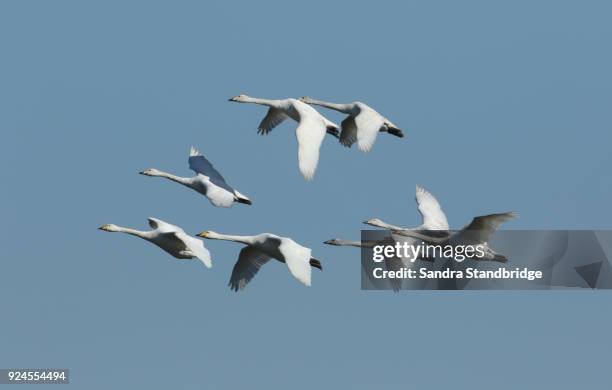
[(481, 229), (273, 118), (196, 247), (348, 136), (297, 259), (250, 260), (310, 133), (431, 212), (199, 164), (368, 124)]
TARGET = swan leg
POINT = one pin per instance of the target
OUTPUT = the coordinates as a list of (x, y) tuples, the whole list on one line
[(316, 263)]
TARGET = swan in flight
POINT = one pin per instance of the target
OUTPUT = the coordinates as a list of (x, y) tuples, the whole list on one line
[(170, 238), (362, 124), (310, 131), (478, 232), (207, 181), (263, 247), (432, 215)]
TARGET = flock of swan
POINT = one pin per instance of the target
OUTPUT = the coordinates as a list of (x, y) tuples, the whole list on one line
[(361, 126)]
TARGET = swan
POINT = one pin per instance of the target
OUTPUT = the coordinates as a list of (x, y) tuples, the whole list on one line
[(310, 131), (362, 124), (207, 181), (478, 232), (261, 248), (170, 238), (432, 215)]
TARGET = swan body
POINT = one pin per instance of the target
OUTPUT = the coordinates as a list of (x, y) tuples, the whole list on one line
[(478, 232), (170, 238), (362, 124), (260, 249), (312, 127), (432, 215), (207, 181)]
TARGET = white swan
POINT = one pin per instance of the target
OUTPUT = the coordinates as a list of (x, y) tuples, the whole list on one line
[(478, 232), (170, 238), (362, 124), (207, 181), (310, 131), (263, 247), (432, 215)]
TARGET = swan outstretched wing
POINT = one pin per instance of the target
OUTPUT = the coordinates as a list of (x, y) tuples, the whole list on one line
[(368, 124), (273, 118), (199, 164), (310, 133), (197, 248), (249, 262), (433, 216), (481, 229), (348, 136), (297, 259)]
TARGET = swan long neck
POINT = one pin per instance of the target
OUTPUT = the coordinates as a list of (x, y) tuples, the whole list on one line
[(345, 108), (385, 225), (248, 240), (133, 232), (263, 102), (358, 244), (181, 180)]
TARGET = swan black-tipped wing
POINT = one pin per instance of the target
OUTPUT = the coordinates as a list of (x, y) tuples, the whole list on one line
[(250, 260), (199, 164)]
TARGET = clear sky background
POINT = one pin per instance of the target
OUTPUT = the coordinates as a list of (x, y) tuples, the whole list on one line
[(505, 106)]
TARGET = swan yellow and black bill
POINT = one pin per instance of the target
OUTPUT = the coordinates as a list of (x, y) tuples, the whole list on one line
[(203, 234)]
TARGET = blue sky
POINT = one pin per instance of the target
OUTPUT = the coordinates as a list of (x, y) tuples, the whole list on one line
[(505, 106)]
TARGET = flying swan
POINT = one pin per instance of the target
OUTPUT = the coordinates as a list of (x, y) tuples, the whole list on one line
[(310, 131), (478, 232), (263, 247), (207, 181), (170, 238), (362, 124)]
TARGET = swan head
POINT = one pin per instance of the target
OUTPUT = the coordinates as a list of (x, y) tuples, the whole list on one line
[(374, 222), (206, 234), (109, 228), (150, 172), (333, 241), (239, 98)]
